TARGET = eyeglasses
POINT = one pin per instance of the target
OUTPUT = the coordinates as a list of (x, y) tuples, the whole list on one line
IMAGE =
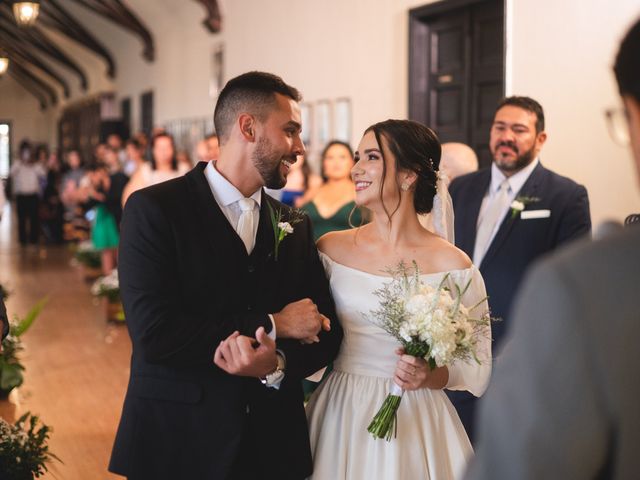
[(617, 123)]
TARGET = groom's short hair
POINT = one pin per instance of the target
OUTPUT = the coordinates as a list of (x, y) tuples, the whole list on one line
[(252, 92), (627, 66)]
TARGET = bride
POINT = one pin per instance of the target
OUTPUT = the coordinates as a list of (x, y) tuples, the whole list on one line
[(396, 178)]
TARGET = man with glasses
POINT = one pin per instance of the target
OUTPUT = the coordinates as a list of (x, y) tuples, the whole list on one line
[(563, 402), (508, 215)]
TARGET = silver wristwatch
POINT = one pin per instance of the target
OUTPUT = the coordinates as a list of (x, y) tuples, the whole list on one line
[(277, 375)]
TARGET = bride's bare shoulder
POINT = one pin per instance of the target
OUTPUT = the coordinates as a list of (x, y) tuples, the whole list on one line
[(447, 256), (337, 245)]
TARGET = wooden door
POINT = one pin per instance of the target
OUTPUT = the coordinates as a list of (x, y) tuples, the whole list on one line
[(456, 69)]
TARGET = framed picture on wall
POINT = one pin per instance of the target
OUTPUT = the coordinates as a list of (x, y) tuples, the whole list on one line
[(342, 120), (323, 123), (306, 117), (216, 81)]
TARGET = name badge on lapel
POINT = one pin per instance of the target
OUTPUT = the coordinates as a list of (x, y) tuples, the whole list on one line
[(531, 214)]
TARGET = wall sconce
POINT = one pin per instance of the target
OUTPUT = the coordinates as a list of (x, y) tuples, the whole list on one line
[(26, 12)]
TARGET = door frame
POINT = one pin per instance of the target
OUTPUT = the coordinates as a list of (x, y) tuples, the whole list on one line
[(419, 63)]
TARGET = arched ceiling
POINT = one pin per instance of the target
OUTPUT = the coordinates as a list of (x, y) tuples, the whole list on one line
[(46, 67)]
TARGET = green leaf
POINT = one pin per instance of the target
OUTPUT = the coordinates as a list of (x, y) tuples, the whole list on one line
[(11, 376), (24, 324)]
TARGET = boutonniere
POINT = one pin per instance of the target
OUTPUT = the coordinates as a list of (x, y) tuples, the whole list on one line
[(282, 228), (519, 204)]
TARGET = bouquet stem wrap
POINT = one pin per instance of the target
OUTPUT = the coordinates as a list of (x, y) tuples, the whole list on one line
[(385, 421)]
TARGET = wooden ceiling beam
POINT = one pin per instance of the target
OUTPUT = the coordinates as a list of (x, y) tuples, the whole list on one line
[(213, 22), (120, 14), (25, 57), (57, 17), (33, 37), (29, 87), (16, 67)]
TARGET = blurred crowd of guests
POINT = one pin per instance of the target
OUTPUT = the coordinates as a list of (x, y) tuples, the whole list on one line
[(63, 197)]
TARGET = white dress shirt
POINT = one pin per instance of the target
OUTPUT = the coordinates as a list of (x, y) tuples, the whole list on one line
[(516, 182)]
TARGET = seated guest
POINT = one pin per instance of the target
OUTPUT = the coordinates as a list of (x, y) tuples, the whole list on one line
[(333, 206), (163, 166)]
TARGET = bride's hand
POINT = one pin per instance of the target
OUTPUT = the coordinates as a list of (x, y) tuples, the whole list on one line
[(413, 373)]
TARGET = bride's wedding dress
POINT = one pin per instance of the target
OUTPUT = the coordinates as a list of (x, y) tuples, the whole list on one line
[(431, 442)]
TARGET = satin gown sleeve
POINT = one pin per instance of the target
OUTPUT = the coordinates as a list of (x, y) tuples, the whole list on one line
[(470, 375)]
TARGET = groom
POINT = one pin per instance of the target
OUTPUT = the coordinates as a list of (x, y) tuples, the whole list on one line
[(200, 278)]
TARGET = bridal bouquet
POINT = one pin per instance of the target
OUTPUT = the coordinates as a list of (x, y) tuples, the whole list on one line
[(430, 323)]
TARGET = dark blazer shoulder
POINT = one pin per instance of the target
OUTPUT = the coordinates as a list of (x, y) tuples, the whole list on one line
[(470, 177), (555, 180)]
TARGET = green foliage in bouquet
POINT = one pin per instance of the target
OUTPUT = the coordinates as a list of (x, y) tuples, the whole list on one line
[(10, 367), (24, 453)]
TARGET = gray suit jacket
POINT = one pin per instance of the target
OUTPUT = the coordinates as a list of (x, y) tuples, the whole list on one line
[(563, 402)]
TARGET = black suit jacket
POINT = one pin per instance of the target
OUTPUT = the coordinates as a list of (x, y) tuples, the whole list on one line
[(516, 245), (518, 242), (187, 283)]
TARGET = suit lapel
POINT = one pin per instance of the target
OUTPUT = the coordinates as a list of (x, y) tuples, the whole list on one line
[(468, 216), (214, 222), (529, 189)]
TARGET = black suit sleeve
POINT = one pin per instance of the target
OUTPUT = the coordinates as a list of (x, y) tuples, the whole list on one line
[(164, 328), (304, 360), (4, 320), (576, 221)]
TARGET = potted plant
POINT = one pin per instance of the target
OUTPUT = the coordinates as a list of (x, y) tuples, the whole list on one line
[(89, 259), (108, 287), (10, 367), (24, 453)]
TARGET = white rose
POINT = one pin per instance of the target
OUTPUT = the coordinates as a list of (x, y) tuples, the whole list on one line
[(286, 226), (517, 205)]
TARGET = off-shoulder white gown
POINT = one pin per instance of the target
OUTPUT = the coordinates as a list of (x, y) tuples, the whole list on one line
[(431, 442)]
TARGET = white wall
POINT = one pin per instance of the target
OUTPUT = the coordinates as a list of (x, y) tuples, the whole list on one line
[(23, 111), (559, 53)]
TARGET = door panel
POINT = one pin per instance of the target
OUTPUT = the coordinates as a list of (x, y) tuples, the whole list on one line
[(456, 69)]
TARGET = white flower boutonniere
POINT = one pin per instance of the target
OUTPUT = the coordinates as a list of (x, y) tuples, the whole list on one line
[(519, 204), (281, 228)]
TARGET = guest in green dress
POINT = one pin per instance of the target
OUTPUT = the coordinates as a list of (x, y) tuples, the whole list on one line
[(333, 207)]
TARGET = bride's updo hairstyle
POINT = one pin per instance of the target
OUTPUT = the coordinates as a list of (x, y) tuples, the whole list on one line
[(416, 148)]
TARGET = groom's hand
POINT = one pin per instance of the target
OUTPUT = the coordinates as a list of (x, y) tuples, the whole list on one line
[(300, 320), (246, 356)]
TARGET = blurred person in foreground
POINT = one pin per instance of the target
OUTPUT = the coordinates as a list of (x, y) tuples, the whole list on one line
[(563, 401)]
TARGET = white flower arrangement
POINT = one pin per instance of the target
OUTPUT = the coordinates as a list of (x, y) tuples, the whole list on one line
[(519, 204), (430, 323), (107, 286)]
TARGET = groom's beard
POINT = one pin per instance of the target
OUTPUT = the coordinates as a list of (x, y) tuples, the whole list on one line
[(268, 163), (522, 160)]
